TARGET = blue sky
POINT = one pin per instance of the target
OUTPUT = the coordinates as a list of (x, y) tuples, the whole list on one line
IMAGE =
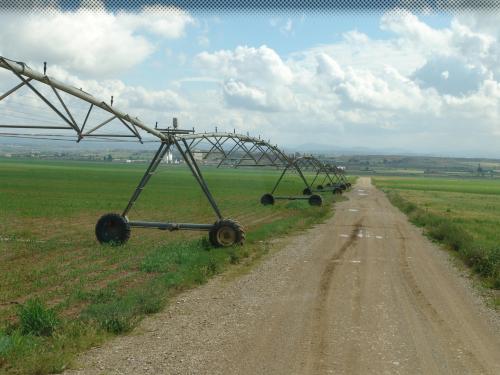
[(391, 80), (227, 31)]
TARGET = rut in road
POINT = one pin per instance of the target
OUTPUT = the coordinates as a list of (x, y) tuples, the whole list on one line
[(362, 293), (320, 318)]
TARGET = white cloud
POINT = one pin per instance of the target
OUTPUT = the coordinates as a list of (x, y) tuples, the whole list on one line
[(237, 94), (392, 91), (258, 65), (328, 67), (94, 42), (240, 95), (416, 34), (287, 28), (355, 37), (166, 22)]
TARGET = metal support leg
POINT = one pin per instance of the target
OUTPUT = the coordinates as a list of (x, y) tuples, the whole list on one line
[(323, 182), (329, 177), (302, 176), (315, 177), (162, 150), (195, 170), (279, 179)]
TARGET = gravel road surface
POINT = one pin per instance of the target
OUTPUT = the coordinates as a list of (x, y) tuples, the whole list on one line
[(363, 293)]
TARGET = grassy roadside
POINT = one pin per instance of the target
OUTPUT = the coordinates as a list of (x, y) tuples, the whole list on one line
[(42, 341), (456, 220)]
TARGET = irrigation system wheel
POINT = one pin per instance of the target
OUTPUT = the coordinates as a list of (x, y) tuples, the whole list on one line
[(328, 184), (226, 233), (307, 191), (337, 191), (267, 199), (319, 187), (315, 200), (113, 229)]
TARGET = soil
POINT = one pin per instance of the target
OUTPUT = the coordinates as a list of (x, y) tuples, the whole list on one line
[(363, 293)]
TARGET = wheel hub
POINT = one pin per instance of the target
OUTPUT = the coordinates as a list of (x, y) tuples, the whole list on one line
[(226, 236)]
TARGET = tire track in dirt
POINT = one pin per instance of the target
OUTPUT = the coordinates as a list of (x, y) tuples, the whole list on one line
[(320, 322), (426, 310), (353, 352)]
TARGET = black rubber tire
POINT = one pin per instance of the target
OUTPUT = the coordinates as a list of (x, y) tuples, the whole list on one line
[(337, 191), (267, 199), (225, 233), (319, 187), (343, 186), (306, 191), (315, 200), (328, 184), (112, 229)]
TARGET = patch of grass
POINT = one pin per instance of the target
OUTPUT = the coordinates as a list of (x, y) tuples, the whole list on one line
[(450, 234), (28, 354), (234, 258), (36, 319)]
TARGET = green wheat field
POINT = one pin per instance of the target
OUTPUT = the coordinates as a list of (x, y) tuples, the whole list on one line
[(61, 292)]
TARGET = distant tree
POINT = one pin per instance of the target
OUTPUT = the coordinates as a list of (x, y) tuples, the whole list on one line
[(479, 169)]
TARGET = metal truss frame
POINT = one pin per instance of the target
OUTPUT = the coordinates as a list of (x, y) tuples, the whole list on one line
[(237, 150), (321, 172), (328, 173), (26, 75), (339, 173), (226, 149)]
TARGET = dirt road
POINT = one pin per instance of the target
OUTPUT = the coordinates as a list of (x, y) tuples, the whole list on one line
[(363, 293)]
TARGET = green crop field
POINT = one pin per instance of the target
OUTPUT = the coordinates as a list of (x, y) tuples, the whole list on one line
[(464, 214), (60, 291)]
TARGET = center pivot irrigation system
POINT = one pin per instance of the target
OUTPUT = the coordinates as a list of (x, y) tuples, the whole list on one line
[(227, 149), (332, 180)]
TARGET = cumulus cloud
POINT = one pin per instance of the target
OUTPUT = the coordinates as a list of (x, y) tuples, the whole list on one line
[(329, 68), (125, 96), (89, 41), (392, 91), (271, 99), (415, 33), (255, 78), (165, 22), (355, 37), (240, 95), (419, 81), (260, 65)]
